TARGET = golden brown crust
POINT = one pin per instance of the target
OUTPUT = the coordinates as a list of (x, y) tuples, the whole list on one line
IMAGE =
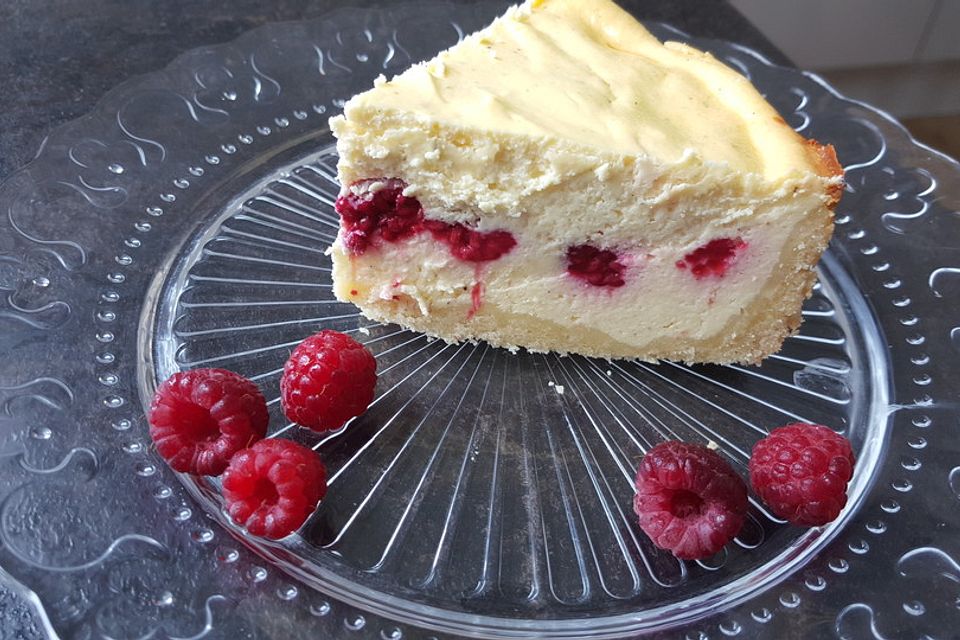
[(825, 158)]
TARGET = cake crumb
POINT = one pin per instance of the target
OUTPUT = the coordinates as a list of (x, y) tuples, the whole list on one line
[(550, 384), (364, 331), (558, 388), (713, 446), (609, 373)]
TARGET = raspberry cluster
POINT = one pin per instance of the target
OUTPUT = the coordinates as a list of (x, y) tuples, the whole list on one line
[(212, 422)]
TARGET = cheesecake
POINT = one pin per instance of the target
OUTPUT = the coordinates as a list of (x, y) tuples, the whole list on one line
[(563, 181)]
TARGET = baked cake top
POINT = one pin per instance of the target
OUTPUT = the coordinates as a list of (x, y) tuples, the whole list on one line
[(587, 72)]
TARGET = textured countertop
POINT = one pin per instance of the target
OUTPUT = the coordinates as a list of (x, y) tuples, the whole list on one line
[(58, 57)]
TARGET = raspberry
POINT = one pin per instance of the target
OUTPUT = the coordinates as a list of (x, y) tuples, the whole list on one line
[(689, 500), (801, 472), (328, 379), (385, 213), (469, 244), (199, 418), (273, 487), (599, 267), (713, 258)]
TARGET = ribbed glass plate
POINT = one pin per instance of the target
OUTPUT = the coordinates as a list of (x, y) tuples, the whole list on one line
[(183, 224), (500, 485)]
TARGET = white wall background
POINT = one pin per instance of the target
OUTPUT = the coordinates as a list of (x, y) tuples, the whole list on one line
[(902, 55), (832, 34)]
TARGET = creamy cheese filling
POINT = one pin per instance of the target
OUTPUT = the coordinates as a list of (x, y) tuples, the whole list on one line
[(658, 298)]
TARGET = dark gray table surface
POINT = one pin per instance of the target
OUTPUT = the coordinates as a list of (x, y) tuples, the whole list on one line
[(58, 57)]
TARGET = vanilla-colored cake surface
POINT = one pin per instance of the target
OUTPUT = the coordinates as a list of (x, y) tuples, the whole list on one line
[(568, 183)]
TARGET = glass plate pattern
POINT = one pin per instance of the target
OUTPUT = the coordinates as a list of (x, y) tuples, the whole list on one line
[(183, 224)]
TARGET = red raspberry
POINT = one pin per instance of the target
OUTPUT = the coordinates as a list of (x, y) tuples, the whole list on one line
[(599, 267), (469, 244), (689, 500), (328, 379), (713, 258), (273, 487), (801, 472), (199, 418), (370, 215), (386, 214)]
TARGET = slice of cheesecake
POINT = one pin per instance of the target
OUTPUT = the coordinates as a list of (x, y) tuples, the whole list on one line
[(563, 181)]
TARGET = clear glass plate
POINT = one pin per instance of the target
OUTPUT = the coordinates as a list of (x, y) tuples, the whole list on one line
[(183, 224)]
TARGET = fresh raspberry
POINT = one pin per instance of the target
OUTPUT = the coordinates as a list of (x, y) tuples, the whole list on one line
[(328, 379), (713, 258), (469, 244), (369, 215), (599, 267), (801, 472), (199, 418), (273, 487), (689, 500)]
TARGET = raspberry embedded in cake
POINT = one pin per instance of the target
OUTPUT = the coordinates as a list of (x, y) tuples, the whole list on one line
[(469, 244), (374, 210), (713, 258), (596, 266)]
